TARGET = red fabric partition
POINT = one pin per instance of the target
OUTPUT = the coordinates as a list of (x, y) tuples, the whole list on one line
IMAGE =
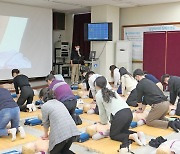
[(78, 33), (154, 48), (173, 53)]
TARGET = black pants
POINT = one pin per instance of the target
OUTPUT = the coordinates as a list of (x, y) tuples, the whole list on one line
[(132, 98), (70, 105), (63, 147), (26, 95), (120, 123)]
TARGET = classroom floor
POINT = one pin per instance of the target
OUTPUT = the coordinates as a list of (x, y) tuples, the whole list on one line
[(105, 146)]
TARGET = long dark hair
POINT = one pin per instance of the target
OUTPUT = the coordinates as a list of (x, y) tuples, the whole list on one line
[(107, 94), (46, 94), (111, 68), (123, 71)]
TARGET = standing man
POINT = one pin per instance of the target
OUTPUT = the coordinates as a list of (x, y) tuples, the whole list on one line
[(149, 94), (174, 86), (75, 64)]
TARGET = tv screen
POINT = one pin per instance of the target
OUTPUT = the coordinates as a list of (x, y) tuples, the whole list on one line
[(98, 31)]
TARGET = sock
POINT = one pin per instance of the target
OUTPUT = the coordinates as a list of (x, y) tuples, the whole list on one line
[(29, 106), (142, 137), (91, 111), (141, 122), (172, 112), (13, 133), (136, 139), (22, 132), (98, 136), (33, 107)]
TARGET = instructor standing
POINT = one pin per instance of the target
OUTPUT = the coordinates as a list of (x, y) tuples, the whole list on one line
[(75, 64)]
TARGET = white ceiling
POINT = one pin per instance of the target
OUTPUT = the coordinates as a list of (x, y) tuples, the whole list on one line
[(78, 6)]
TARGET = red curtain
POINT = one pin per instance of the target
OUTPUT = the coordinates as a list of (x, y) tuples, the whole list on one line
[(78, 33), (154, 53), (173, 53)]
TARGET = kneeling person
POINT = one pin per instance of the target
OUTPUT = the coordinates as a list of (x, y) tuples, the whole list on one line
[(149, 94)]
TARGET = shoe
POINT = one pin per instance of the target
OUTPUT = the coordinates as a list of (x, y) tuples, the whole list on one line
[(173, 125), (13, 133), (22, 132)]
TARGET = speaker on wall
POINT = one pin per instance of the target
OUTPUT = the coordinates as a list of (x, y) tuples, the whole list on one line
[(58, 21), (124, 54)]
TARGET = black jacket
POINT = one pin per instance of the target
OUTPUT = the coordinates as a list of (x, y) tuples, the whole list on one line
[(174, 88)]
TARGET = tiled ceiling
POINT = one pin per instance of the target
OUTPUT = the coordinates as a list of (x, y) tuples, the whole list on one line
[(78, 6)]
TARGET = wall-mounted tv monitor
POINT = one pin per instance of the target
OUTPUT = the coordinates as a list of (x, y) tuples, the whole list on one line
[(98, 31)]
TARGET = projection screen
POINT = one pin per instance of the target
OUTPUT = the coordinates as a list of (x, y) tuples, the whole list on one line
[(25, 40)]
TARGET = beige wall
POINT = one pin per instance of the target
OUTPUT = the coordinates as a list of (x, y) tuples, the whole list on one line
[(106, 13)]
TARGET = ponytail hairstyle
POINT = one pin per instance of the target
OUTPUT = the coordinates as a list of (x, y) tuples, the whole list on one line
[(111, 68), (46, 94), (107, 94), (123, 71)]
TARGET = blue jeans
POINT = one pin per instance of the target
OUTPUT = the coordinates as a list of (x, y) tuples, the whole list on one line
[(9, 115)]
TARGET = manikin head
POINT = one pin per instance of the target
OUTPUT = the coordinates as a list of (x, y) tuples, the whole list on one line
[(138, 74), (165, 78), (15, 72), (49, 79)]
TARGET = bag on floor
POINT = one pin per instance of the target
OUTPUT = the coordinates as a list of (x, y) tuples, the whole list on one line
[(77, 119), (178, 109), (12, 152), (33, 122)]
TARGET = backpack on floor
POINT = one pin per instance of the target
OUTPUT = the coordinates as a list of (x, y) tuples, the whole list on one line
[(33, 121)]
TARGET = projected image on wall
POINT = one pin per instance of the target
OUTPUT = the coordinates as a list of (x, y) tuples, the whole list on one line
[(11, 34)]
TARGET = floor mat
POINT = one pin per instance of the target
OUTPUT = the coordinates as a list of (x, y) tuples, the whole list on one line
[(29, 114), (6, 143), (105, 146), (152, 131), (92, 117)]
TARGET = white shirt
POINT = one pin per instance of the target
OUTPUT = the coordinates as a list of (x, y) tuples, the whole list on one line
[(128, 83), (105, 109), (116, 77), (59, 77), (91, 80)]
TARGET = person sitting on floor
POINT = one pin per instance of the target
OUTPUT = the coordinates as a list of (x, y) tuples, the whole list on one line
[(149, 94), (115, 75), (55, 116), (63, 93), (153, 79), (26, 95), (173, 85), (9, 112), (113, 109)]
